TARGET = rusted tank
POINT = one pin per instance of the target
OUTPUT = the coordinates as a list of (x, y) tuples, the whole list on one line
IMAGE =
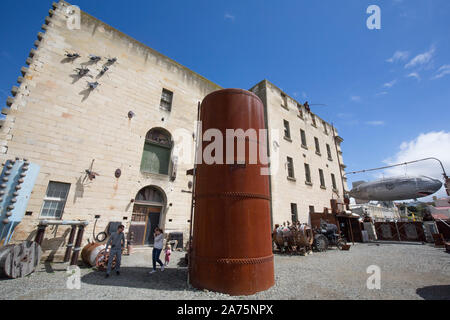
[(94, 255), (231, 247)]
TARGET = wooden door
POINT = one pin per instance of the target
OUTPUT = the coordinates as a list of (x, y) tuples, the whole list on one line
[(143, 222), (153, 216)]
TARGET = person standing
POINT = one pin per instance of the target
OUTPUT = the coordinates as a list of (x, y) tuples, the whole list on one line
[(167, 252), (157, 248), (117, 242)]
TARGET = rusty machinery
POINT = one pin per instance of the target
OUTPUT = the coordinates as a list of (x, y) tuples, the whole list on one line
[(293, 238), (231, 248)]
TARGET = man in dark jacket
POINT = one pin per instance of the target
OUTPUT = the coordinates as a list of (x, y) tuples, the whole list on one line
[(117, 242)]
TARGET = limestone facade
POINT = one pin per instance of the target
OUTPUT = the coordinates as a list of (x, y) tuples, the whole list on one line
[(56, 121)]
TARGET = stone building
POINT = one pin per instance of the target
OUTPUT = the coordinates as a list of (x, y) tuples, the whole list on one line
[(105, 141)]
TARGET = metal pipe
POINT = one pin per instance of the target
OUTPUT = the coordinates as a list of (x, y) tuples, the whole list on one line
[(63, 223), (339, 161), (401, 164), (70, 244), (76, 250)]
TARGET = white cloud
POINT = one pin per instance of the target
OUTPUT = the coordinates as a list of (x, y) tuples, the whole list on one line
[(421, 59), (389, 84), (355, 98), (431, 144), (375, 123), (398, 56), (414, 75), (442, 71), (229, 16), (382, 93)]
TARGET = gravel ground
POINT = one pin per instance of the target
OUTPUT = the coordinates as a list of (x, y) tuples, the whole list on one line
[(408, 271)]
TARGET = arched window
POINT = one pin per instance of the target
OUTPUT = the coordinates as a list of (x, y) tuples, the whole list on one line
[(157, 150)]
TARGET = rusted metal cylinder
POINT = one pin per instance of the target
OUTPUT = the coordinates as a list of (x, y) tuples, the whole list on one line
[(232, 247)]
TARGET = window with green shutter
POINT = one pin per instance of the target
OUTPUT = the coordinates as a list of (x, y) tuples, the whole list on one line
[(157, 152)]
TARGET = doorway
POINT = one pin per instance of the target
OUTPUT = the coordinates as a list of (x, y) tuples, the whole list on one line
[(147, 215)]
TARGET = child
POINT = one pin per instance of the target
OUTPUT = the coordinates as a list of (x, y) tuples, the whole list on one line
[(168, 251)]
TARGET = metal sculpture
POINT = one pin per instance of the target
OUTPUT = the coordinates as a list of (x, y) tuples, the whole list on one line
[(231, 248), (292, 238), (17, 183)]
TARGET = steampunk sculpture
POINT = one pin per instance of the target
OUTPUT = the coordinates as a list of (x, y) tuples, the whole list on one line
[(293, 238), (231, 248)]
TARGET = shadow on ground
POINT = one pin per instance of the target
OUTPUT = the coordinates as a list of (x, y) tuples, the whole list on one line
[(173, 279), (434, 292)]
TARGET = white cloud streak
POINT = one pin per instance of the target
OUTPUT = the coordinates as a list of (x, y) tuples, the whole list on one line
[(414, 75), (398, 56), (421, 59), (389, 84), (442, 71)]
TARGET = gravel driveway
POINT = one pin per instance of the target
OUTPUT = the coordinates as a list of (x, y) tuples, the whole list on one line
[(408, 271)]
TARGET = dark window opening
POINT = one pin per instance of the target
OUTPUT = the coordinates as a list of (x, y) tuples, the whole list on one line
[(166, 100), (290, 167)]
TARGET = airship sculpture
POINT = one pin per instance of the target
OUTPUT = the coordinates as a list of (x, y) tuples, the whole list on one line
[(395, 188)]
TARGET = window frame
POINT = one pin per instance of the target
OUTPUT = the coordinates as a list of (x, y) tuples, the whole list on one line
[(333, 182), (54, 199), (287, 129), (163, 100), (294, 212), (329, 152), (308, 177), (317, 145), (322, 179), (304, 142), (290, 167)]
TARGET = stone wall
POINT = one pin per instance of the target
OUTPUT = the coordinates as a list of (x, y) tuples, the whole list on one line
[(58, 123), (286, 191)]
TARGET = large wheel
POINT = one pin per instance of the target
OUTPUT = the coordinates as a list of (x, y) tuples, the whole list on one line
[(320, 243), (20, 260)]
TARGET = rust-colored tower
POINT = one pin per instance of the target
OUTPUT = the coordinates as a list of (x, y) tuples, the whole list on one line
[(232, 246)]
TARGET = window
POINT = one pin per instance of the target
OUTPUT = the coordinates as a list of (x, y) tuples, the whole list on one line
[(294, 214), (313, 118), (290, 167), (329, 152), (307, 174), (316, 141), (300, 111), (311, 209), (157, 152), (325, 129), (333, 181), (303, 137), (55, 200), (166, 100), (284, 104), (287, 130), (322, 179)]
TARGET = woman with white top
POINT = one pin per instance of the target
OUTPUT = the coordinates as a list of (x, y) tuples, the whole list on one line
[(157, 248)]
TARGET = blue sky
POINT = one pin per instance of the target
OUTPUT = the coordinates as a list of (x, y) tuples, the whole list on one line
[(383, 88)]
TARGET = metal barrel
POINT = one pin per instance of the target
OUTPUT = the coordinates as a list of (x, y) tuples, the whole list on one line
[(232, 246)]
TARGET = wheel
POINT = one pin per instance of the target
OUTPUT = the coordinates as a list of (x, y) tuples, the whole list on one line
[(320, 243)]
